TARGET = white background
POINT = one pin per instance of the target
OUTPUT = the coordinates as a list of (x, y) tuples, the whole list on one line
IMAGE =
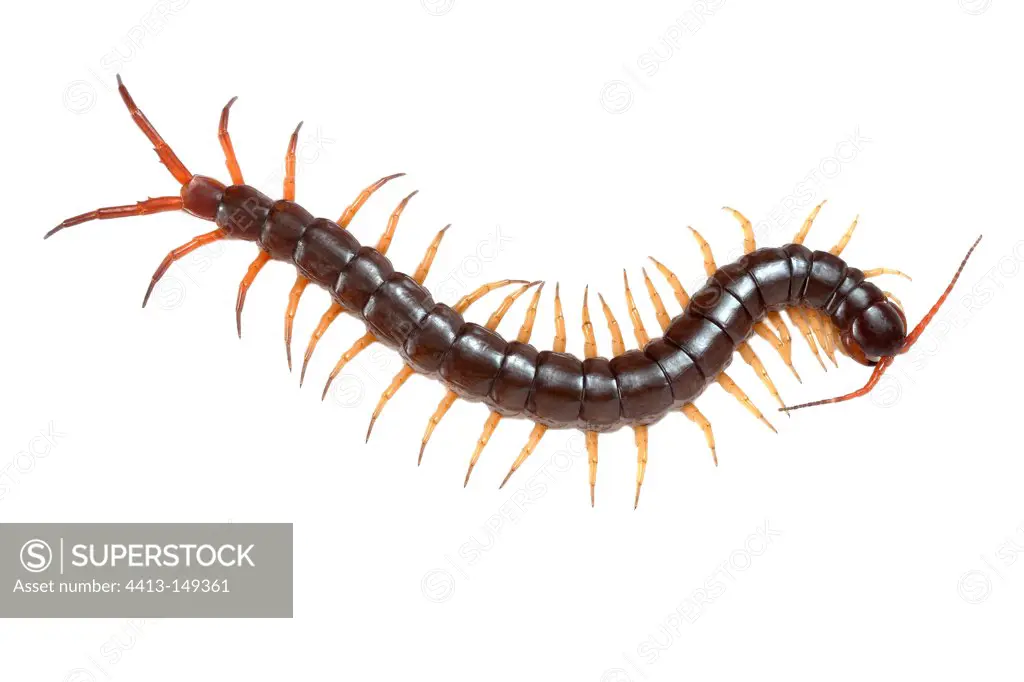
[(586, 135)]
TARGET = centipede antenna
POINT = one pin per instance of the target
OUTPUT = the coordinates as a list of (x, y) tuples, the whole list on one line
[(709, 259), (243, 287), (147, 207), (912, 338), (353, 208), (385, 239), (181, 252), (749, 244), (167, 156), (640, 436), (361, 344), (802, 233), (289, 314), (325, 321), (289, 165), (845, 239), (229, 150)]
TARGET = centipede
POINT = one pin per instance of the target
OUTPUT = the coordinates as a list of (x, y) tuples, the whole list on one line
[(833, 306)]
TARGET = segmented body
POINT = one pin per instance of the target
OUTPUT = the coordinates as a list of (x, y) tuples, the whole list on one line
[(826, 299), (558, 390)]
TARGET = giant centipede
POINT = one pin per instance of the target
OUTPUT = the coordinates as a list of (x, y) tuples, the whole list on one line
[(833, 305)]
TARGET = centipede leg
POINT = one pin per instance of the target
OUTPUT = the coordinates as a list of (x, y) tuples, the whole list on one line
[(361, 344), (673, 281), (698, 418), (750, 357), (166, 154), (325, 321), (875, 272), (749, 244), (818, 327), (289, 314), (442, 409), (531, 444), (179, 253), (590, 351), (640, 436), (289, 165), (384, 243), (845, 239), (709, 259), (147, 207), (525, 332), (796, 316), (389, 393), (618, 345), (806, 227), (243, 287), (225, 143), (730, 386), (639, 331), (489, 426), (420, 275), (462, 305), (353, 208)]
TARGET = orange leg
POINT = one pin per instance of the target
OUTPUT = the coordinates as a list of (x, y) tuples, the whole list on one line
[(243, 287), (350, 212), (442, 409), (167, 156), (385, 239), (806, 227), (289, 165), (640, 435), (325, 321), (157, 205), (289, 314), (361, 344), (389, 393), (181, 252), (748, 230), (229, 150)]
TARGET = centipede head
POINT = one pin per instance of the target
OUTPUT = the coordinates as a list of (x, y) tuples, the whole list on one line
[(201, 195), (880, 334), (880, 331)]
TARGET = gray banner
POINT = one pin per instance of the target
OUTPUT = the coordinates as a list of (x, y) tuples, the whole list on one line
[(151, 570)]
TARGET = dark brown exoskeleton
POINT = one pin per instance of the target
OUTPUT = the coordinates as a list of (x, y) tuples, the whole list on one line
[(825, 298)]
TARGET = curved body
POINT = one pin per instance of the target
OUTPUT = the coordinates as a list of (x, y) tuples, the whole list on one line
[(515, 379)]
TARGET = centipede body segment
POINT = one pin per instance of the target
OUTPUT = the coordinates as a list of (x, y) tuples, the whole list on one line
[(834, 307)]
